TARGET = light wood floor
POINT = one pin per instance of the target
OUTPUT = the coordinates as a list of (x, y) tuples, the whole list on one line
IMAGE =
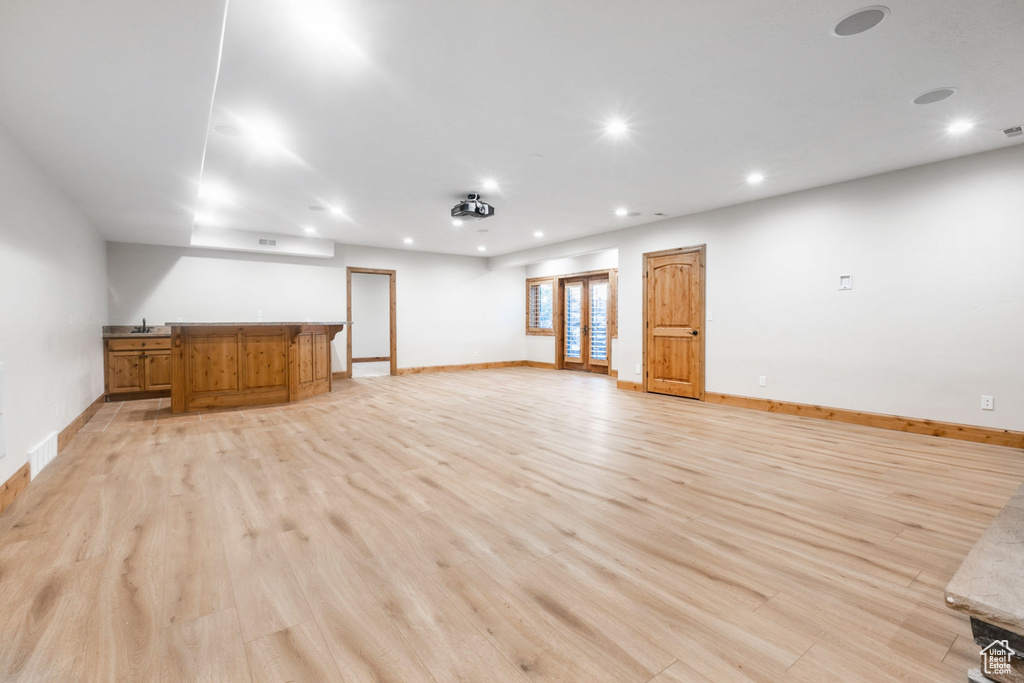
[(500, 525)]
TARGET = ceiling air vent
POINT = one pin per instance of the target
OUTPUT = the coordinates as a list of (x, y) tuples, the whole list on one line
[(1014, 132), (268, 243)]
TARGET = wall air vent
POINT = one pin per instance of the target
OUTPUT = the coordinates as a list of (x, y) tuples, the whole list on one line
[(1014, 132), (266, 243)]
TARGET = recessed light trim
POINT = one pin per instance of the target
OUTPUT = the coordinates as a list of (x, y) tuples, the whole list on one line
[(213, 193), (936, 95), (309, 229), (490, 184), (481, 248), (859, 21), (538, 233), (457, 222), (960, 127), (621, 212), (616, 128), (755, 178), (408, 240)]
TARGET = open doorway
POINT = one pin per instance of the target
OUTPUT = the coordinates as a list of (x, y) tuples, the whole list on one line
[(371, 336)]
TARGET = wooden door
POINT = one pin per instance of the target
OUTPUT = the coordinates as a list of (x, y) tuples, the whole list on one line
[(585, 324), (673, 317), (598, 293), (575, 350)]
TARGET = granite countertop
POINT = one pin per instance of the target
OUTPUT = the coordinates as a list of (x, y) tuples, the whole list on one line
[(123, 331), (988, 584), (259, 324)]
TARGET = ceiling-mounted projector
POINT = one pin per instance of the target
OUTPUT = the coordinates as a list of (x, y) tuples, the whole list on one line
[(472, 208)]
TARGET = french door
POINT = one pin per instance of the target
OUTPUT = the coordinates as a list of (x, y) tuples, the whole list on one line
[(585, 305)]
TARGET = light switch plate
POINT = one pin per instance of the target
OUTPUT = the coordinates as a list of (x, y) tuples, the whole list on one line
[(845, 282)]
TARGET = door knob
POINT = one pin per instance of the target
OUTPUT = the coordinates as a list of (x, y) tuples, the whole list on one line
[(694, 332)]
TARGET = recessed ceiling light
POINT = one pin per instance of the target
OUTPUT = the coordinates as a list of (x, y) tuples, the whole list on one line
[(620, 212), (213, 193), (933, 96), (315, 207), (481, 248), (755, 178), (408, 240), (490, 184), (616, 128), (263, 135), (207, 219), (457, 222), (309, 229), (538, 234), (958, 127), (228, 129), (337, 211), (860, 21)]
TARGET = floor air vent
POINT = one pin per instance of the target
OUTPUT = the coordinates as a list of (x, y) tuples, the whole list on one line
[(42, 455)]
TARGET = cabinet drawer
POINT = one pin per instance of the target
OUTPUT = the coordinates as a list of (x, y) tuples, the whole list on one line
[(139, 344)]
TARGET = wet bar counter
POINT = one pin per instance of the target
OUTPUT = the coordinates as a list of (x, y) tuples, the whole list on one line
[(227, 365)]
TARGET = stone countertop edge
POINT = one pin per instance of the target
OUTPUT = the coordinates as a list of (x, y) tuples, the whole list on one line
[(988, 585), (125, 332), (259, 324)]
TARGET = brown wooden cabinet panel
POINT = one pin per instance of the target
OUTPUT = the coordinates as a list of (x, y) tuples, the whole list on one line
[(220, 365), (266, 361), (321, 360), (214, 363), (124, 372), (158, 370), (304, 342)]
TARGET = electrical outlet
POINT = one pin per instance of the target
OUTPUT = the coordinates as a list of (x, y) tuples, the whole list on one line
[(638, 370), (987, 403), (710, 316), (763, 381)]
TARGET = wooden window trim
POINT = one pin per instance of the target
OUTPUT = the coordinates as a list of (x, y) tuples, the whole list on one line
[(540, 331)]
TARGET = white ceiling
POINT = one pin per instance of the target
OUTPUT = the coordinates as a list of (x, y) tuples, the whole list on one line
[(393, 109)]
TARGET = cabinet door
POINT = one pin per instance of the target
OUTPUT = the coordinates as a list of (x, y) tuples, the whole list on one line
[(158, 370), (124, 371)]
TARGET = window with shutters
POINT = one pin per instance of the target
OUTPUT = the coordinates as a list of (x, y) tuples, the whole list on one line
[(540, 296)]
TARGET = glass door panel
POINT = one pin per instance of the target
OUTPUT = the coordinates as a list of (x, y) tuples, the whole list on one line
[(574, 322), (599, 322)]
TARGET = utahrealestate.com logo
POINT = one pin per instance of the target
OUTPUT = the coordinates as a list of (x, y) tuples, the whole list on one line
[(995, 659)]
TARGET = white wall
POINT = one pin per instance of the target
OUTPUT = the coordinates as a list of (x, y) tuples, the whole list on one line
[(935, 318), (52, 306), (371, 315), (450, 309)]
